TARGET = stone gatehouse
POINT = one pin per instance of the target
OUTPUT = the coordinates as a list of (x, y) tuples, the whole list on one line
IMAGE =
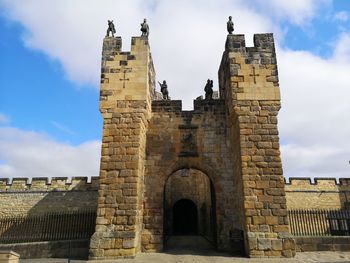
[(214, 171)]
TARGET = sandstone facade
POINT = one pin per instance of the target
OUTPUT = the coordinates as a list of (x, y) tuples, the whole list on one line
[(39, 196), (22, 196), (324, 193), (222, 160), (233, 141)]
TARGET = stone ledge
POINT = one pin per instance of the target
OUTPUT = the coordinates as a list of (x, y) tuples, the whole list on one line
[(9, 256), (335, 243), (50, 249), (167, 105)]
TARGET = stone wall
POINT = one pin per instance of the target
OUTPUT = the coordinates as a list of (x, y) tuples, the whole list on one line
[(127, 86), (324, 193), (234, 141), (334, 243), (40, 196), (178, 140), (249, 85), (72, 249)]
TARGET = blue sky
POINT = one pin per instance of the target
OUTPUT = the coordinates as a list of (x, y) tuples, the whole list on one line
[(36, 95), (50, 58)]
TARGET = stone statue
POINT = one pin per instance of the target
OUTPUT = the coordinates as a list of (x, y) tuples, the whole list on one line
[(208, 90), (164, 90), (111, 28), (230, 25), (188, 143), (144, 28)]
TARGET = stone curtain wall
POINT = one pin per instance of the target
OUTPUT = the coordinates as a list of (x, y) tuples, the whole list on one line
[(40, 196), (169, 148), (249, 84), (125, 107), (325, 193)]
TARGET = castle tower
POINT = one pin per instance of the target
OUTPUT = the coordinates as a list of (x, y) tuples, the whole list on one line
[(127, 84), (248, 80)]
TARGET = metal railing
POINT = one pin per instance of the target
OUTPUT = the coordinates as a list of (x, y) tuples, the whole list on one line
[(47, 227), (319, 222)]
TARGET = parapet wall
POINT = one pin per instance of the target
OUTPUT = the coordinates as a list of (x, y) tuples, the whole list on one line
[(22, 196), (45, 195), (263, 51), (200, 106), (48, 184), (322, 193), (320, 183)]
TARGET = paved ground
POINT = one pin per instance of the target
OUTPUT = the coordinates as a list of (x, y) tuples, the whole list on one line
[(188, 258), (198, 250)]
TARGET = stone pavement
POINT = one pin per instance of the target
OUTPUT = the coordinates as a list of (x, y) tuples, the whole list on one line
[(183, 257), (217, 258), (196, 249)]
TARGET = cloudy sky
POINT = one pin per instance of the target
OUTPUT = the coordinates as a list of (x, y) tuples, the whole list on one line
[(50, 67)]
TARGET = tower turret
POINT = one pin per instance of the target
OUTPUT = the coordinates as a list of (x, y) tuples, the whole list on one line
[(248, 80), (127, 85)]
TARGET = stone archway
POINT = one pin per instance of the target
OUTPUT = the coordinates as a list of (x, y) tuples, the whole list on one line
[(189, 205)]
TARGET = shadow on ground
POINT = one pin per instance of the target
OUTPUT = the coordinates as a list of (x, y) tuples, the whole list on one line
[(193, 245)]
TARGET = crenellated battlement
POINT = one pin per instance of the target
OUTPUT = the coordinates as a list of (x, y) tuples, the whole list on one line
[(167, 106), (262, 53), (49, 184), (249, 73), (317, 193), (302, 182), (126, 75), (200, 106), (209, 105)]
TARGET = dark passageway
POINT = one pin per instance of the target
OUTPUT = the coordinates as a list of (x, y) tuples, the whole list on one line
[(185, 217)]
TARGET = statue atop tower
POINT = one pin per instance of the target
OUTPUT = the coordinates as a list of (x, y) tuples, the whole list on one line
[(230, 27), (111, 28), (144, 28)]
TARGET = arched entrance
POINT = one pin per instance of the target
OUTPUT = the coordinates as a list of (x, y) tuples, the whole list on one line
[(189, 209), (185, 218)]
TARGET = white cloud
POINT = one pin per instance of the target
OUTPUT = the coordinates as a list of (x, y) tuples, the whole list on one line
[(33, 154), (72, 31), (187, 37), (315, 161), (296, 11), (4, 119), (341, 16), (63, 128), (314, 122), (187, 40), (342, 49)]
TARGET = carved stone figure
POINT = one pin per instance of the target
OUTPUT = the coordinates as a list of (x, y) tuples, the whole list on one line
[(111, 28), (144, 28), (208, 90), (164, 90), (230, 25), (188, 143)]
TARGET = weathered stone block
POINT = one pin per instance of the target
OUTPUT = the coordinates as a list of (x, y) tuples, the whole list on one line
[(276, 244), (128, 243), (264, 244)]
